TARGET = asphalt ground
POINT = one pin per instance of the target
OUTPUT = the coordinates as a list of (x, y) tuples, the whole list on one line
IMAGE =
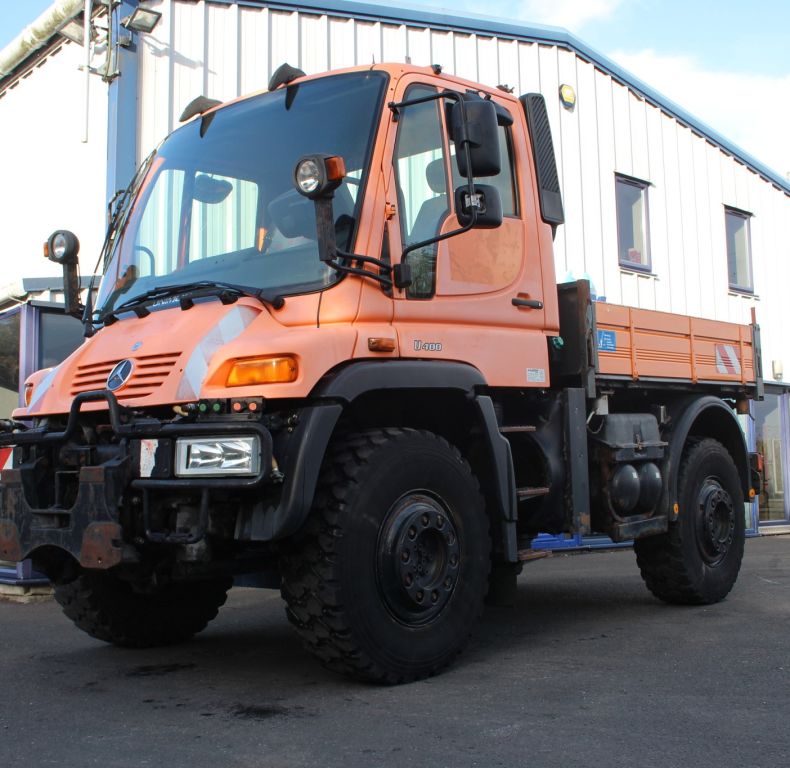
[(587, 670)]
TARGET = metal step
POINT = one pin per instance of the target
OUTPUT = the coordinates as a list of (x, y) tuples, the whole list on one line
[(525, 428), (530, 493)]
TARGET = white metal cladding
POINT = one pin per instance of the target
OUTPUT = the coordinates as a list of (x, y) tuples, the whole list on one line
[(50, 179), (226, 49)]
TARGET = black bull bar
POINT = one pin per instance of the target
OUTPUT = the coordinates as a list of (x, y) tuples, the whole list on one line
[(90, 529)]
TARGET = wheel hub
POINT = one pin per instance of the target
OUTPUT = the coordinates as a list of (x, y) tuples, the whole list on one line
[(418, 558), (716, 521)]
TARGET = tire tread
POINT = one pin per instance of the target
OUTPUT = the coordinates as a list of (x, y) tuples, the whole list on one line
[(309, 586)]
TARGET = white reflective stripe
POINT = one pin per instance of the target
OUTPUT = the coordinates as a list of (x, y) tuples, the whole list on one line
[(44, 385), (227, 329), (727, 359)]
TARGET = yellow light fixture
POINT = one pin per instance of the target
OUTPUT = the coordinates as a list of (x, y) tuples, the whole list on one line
[(567, 96), (262, 370)]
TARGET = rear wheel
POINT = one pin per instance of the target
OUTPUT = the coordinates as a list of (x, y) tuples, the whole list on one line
[(697, 561), (109, 609), (392, 569)]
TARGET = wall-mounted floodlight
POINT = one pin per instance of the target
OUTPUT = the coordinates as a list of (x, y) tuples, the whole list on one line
[(73, 31), (141, 20)]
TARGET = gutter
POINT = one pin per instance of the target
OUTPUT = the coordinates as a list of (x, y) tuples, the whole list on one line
[(37, 34)]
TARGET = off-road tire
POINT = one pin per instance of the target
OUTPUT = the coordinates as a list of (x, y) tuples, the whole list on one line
[(346, 583), (109, 609), (697, 561)]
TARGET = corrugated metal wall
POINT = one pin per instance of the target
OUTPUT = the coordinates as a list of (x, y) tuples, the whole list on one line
[(50, 179), (225, 50)]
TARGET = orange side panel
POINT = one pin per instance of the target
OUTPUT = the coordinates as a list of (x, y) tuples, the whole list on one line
[(642, 343)]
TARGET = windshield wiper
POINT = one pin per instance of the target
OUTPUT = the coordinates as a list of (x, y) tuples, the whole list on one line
[(227, 293)]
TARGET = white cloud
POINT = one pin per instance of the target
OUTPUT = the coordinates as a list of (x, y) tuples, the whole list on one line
[(751, 111)]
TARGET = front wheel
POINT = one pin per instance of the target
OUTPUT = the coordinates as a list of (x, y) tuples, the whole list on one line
[(110, 609), (697, 561), (392, 569)]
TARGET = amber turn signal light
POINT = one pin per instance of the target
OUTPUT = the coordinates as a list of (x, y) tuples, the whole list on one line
[(28, 394), (262, 370)]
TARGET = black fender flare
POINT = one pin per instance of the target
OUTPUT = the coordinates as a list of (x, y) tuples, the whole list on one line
[(341, 387), (707, 416)]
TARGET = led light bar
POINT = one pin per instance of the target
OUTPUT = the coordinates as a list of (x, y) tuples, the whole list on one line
[(217, 456)]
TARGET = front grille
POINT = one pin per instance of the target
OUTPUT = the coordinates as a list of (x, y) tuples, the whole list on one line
[(148, 374)]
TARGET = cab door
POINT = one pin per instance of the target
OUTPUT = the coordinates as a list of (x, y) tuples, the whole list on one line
[(459, 305)]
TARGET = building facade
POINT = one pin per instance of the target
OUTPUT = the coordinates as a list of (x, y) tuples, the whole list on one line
[(661, 211)]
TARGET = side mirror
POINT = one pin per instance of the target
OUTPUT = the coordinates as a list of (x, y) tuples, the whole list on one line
[(485, 201), (63, 248), (479, 132), (209, 190)]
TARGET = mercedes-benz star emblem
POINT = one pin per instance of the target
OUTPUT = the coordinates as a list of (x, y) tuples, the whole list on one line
[(119, 375)]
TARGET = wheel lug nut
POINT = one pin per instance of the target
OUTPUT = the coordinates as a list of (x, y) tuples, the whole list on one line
[(405, 556), (439, 521), (434, 596), (453, 559), (425, 519), (412, 532), (420, 595), (409, 580), (448, 582)]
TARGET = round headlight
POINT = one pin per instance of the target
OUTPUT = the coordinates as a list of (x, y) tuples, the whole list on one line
[(62, 247), (59, 246), (308, 176)]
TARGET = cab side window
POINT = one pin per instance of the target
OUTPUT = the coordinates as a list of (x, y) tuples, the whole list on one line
[(421, 179)]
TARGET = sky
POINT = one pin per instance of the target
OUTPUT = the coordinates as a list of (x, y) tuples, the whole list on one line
[(724, 61)]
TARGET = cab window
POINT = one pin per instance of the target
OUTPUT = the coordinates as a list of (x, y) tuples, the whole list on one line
[(421, 179)]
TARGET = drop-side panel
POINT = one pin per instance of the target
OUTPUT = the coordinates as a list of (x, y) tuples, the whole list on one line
[(645, 344)]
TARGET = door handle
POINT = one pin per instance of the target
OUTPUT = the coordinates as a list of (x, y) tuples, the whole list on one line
[(528, 303)]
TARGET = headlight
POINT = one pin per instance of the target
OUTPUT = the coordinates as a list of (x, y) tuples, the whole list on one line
[(319, 175), (62, 247), (308, 176), (212, 456)]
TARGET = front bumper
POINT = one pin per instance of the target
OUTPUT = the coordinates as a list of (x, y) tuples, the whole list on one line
[(88, 525)]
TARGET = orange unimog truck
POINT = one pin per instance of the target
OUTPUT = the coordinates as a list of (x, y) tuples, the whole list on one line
[(328, 347)]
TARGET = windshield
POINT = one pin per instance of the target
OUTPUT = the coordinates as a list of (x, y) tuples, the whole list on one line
[(218, 203)]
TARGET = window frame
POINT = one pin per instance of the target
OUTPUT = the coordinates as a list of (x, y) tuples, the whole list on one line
[(746, 217), (643, 186)]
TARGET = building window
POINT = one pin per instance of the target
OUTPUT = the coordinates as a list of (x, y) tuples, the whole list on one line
[(739, 250), (632, 223)]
